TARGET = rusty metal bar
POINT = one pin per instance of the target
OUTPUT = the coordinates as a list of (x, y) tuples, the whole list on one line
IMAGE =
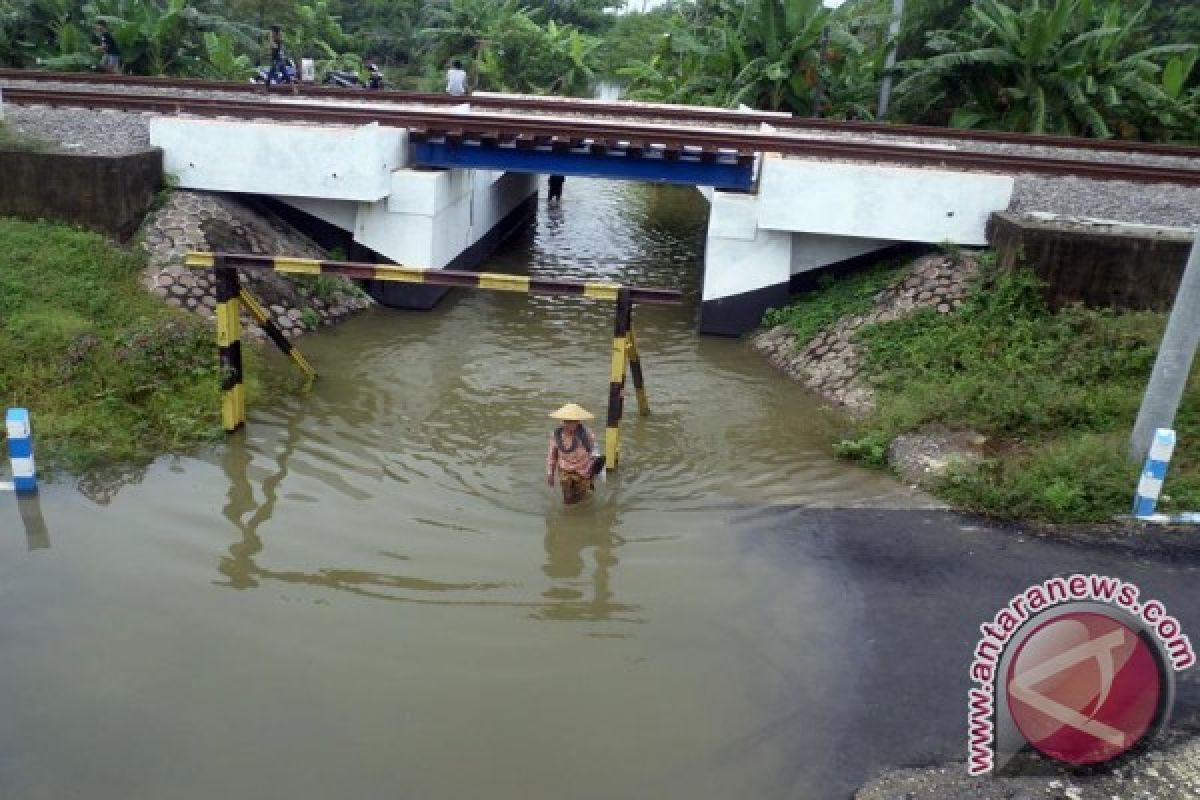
[(494, 281)]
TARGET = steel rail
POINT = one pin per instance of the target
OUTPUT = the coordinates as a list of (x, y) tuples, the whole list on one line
[(620, 110), (494, 128)]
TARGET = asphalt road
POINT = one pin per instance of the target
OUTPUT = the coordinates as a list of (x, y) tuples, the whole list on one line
[(907, 591)]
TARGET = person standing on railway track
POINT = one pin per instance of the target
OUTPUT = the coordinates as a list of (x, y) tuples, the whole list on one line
[(275, 42), (110, 54), (456, 80), (572, 454)]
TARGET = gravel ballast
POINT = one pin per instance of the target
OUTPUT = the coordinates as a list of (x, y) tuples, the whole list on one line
[(80, 130), (1121, 201)]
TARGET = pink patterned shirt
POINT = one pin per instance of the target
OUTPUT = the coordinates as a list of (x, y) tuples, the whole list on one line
[(578, 460)]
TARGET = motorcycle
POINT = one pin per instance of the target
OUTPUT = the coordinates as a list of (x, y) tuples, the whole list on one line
[(343, 79), (374, 77), (269, 76)]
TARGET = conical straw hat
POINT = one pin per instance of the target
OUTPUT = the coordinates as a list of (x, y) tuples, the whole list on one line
[(573, 412)]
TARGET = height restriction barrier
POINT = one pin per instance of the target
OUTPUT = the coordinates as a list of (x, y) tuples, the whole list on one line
[(231, 295)]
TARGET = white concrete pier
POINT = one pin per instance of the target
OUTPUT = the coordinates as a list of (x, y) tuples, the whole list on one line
[(810, 214), (357, 179)]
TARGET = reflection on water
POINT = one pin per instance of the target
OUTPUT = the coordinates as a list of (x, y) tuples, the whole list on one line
[(422, 615), (246, 514), (581, 554), (37, 537)]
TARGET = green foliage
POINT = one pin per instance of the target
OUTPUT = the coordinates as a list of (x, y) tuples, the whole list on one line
[(310, 318), (156, 38), (870, 449), (1073, 478), (109, 372), (1096, 67), (327, 287), (633, 37), (1057, 392), (506, 47), (222, 61), (1062, 66), (761, 53), (12, 140), (834, 298), (587, 15)]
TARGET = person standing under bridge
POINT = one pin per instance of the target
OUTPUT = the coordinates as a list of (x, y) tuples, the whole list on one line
[(554, 197), (571, 454), (456, 80)]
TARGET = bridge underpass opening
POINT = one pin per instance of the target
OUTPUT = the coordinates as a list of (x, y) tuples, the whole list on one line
[(445, 199)]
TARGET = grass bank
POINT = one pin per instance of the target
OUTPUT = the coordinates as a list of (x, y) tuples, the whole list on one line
[(109, 373), (1056, 393), (10, 139), (834, 298)]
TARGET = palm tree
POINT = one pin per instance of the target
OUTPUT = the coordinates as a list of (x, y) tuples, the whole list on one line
[(1060, 66)]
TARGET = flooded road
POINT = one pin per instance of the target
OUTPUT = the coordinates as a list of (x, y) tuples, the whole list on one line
[(372, 592)]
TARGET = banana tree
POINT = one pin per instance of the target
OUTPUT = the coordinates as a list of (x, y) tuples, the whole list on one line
[(1063, 66), (574, 57), (160, 39), (222, 60), (778, 46)]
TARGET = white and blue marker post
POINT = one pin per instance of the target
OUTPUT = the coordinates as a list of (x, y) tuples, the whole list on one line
[(1154, 473), (20, 450)]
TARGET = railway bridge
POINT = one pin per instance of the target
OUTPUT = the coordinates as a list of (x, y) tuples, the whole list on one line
[(432, 182)]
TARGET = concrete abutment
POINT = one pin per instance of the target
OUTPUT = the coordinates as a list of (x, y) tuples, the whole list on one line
[(808, 215), (358, 180)]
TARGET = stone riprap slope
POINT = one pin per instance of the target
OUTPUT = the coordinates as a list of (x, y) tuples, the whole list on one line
[(205, 221), (831, 364)]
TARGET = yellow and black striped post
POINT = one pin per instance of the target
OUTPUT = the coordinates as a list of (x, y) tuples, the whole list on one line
[(276, 335), (229, 345), (635, 368), (616, 385)]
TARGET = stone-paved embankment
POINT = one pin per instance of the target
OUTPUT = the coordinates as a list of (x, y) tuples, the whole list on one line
[(832, 363), (205, 221)]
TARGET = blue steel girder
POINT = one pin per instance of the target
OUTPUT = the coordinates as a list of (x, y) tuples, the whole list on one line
[(721, 171)]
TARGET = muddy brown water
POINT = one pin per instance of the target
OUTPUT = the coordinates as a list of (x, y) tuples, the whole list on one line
[(372, 593)]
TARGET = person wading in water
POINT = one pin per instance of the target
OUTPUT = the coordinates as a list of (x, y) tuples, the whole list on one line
[(571, 454)]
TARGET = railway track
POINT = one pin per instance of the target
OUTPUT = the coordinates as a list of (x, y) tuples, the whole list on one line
[(600, 136), (627, 110)]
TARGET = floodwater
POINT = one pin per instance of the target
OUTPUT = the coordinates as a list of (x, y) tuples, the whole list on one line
[(372, 592)]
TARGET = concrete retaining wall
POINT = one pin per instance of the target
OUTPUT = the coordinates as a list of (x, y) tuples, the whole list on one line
[(1096, 263), (104, 193)]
